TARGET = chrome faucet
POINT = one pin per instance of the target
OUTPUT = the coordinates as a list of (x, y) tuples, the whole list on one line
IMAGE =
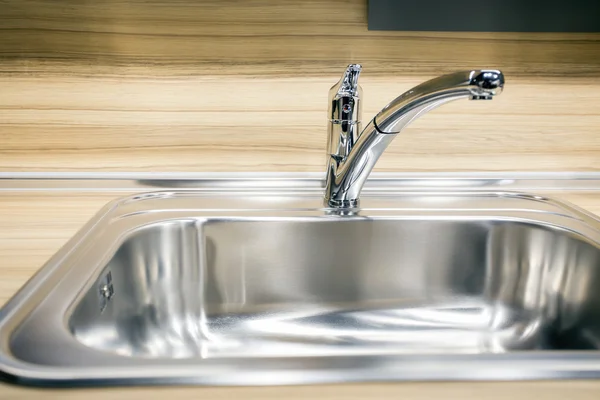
[(352, 152)]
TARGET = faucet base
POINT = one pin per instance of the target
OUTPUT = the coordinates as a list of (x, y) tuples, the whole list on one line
[(352, 203)]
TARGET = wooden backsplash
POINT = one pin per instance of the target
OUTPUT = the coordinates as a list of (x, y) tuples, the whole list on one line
[(191, 85)]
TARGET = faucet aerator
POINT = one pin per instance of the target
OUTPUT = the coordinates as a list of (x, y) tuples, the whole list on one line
[(481, 97)]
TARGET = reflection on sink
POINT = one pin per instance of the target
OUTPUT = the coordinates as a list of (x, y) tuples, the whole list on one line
[(211, 288), (331, 286)]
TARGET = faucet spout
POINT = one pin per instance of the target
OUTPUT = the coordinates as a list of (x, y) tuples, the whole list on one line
[(474, 85), (346, 176)]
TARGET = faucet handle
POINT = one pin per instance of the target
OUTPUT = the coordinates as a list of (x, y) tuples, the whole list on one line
[(344, 96), (344, 113), (348, 85)]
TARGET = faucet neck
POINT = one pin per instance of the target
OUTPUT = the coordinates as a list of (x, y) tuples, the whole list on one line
[(352, 154)]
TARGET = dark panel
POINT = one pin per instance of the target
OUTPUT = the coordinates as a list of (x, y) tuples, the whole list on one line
[(485, 16)]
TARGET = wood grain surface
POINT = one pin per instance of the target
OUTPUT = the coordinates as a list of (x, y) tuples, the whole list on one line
[(241, 85), (265, 37), (547, 390)]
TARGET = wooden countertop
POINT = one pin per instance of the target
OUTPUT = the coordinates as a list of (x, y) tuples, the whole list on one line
[(551, 390), (34, 225)]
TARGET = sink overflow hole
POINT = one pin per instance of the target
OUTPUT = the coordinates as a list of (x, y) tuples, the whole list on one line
[(106, 290)]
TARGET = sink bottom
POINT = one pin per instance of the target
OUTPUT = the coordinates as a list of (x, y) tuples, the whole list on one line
[(282, 287), (458, 328)]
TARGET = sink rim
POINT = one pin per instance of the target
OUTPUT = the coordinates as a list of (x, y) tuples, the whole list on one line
[(432, 367)]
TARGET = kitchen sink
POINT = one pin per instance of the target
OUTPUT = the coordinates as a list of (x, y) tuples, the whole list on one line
[(241, 286)]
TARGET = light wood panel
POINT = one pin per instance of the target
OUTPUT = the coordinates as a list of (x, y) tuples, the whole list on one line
[(547, 390), (241, 85), (278, 124), (270, 37)]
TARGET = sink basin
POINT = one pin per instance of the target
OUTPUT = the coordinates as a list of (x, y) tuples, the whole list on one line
[(236, 287), (335, 286)]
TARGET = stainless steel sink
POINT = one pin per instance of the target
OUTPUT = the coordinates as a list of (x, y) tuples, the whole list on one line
[(268, 287)]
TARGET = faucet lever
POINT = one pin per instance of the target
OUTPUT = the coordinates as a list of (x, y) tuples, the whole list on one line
[(344, 113), (348, 84)]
